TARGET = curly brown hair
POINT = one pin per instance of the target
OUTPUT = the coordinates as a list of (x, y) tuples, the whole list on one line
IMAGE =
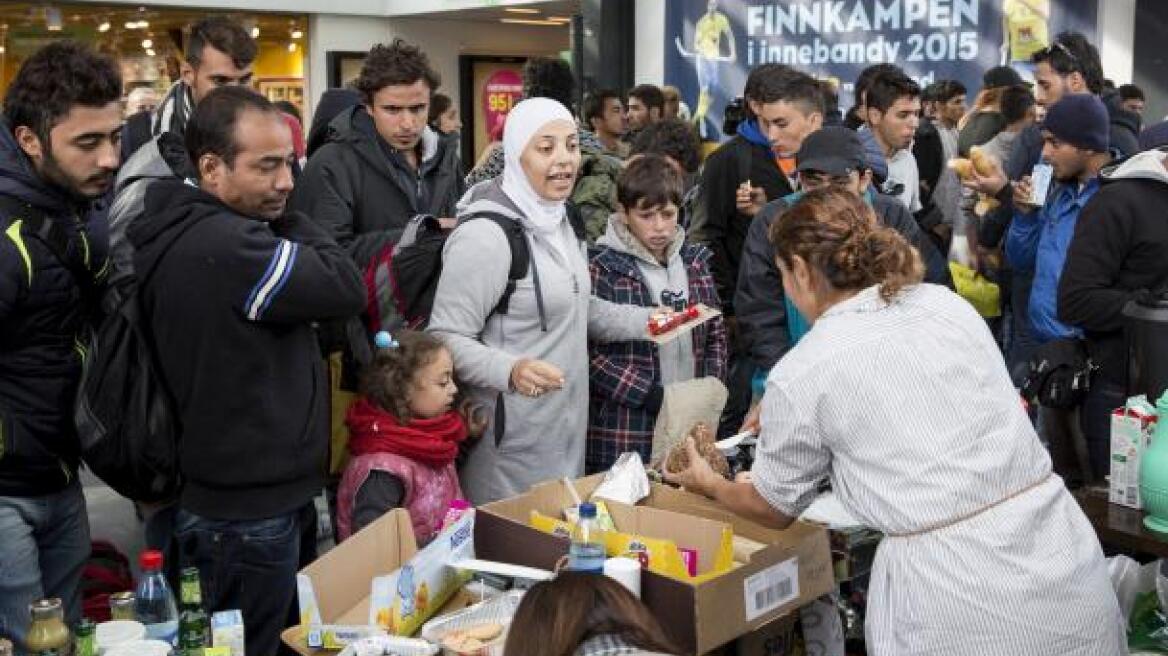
[(389, 379), (835, 232), (399, 63)]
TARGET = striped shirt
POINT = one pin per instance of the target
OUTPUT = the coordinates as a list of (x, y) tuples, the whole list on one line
[(909, 409)]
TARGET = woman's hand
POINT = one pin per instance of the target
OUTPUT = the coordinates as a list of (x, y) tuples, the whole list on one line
[(699, 477), (753, 420), (534, 377)]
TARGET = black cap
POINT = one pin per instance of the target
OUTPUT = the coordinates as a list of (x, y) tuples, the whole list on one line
[(831, 150), (1001, 76)]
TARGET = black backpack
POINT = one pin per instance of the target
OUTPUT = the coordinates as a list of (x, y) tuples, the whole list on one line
[(402, 285), (125, 413)]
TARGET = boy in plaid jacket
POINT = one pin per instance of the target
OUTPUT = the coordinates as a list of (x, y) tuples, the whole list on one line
[(642, 259)]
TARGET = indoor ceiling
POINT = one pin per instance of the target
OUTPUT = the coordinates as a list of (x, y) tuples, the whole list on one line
[(29, 23), (536, 11)]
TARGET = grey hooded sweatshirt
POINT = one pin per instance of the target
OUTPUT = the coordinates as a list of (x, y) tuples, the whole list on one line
[(529, 440)]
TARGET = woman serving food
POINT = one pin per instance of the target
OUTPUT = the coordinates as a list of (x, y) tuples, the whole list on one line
[(899, 395)]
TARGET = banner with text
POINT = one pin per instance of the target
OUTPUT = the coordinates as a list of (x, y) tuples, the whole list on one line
[(711, 45)]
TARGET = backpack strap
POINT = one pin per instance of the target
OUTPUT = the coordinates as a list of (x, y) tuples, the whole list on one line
[(520, 259), (55, 238)]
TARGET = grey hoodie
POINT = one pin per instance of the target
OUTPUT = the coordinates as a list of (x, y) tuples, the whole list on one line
[(529, 440), (677, 356)]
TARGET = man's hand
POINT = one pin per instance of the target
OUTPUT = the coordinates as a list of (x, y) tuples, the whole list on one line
[(447, 224), (749, 199), (1022, 195), (989, 185), (699, 477)]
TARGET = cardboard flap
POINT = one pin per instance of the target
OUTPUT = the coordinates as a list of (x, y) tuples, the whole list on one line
[(341, 577)]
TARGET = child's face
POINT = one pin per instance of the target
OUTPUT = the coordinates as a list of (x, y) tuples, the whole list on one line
[(433, 387), (655, 227)]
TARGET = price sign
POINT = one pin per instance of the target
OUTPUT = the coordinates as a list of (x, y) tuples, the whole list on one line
[(501, 91)]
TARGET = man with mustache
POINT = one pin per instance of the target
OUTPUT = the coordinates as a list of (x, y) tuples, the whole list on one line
[(59, 151), (237, 283)]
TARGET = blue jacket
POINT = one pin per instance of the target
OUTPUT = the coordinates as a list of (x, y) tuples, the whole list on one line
[(1037, 243)]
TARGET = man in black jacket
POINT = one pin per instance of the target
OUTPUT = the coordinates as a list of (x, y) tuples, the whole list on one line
[(831, 156), (58, 154), (782, 107), (230, 306), (383, 165), (1117, 253)]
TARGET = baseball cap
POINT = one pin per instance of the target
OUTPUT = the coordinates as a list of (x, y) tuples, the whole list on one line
[(833, 150), (1001, 76)]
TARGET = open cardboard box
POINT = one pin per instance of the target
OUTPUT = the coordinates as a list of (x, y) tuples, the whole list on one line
[(342, 578), (792, 568)]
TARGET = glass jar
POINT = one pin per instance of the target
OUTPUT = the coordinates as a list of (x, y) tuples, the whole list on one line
[(48, 633), (122, 606)]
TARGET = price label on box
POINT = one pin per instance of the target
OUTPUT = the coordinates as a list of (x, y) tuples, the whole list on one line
[(771, 588)]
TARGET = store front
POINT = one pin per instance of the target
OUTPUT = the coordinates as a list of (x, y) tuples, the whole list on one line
[(148, 42)]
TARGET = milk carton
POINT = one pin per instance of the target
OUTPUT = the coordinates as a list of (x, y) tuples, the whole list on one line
[(1131, 433)]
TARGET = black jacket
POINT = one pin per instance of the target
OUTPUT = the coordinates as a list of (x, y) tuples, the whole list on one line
[(231, 307), (1119, 249), (723, 228), (40, 320), (1125, 125), (364, 193), (762, 313), (930, 155)]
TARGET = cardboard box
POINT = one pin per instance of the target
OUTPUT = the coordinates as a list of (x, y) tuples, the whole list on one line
[(779, 638), (1131, 433), (792, 568), (342, 579)]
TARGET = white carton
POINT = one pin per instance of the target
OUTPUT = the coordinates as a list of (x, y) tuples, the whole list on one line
[(1131, 433)]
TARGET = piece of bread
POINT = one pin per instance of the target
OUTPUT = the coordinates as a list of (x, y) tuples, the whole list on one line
[(962, 167), (678, 459), (983, 163)]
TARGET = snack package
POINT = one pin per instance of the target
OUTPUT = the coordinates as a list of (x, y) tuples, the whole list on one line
[(626, 481), (1131, 434), (227, 631), (480, 629), (403, 600), (1040, 180)]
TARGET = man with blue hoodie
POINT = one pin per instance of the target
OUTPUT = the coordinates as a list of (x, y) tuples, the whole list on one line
[(1075, 144), (783, 106), (59, 152)]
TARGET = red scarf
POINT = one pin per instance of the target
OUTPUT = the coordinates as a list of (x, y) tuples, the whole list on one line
[(431, 442)]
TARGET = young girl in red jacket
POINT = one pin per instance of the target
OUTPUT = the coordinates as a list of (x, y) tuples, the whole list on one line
[(405, 433)]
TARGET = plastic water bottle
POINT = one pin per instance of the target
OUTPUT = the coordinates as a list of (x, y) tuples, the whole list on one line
[(154, 602), (586, 554)]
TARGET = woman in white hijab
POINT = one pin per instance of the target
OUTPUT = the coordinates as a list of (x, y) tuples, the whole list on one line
[(527, 363)]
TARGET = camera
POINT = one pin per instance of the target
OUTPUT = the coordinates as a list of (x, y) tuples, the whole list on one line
[(732, 116)]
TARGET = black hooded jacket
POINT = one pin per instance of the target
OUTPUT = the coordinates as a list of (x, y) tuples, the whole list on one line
[(364, 193), (230, 307), (41, 317)]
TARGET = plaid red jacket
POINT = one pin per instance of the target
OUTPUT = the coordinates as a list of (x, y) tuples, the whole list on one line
[(622, 374)]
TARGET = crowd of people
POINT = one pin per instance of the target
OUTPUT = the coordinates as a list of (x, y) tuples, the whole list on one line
[(268, 269)]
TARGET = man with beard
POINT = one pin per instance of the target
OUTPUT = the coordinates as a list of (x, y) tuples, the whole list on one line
[(59, 152), (1076, 145), (237, 284)]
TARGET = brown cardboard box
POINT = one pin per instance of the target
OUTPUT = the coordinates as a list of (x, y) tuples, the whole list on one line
[(341, 578), (793, 568)]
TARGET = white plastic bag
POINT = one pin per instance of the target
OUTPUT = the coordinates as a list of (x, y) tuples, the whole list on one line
[(626, 481), (1130, 579)]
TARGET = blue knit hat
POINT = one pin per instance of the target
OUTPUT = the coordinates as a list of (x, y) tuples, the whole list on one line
[(1081, 120)]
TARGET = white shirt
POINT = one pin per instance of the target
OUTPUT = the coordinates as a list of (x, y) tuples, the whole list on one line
[(909, 409), (902, 169)]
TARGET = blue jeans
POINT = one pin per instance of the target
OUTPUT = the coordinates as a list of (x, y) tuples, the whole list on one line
[(44, 543), (250, 565)]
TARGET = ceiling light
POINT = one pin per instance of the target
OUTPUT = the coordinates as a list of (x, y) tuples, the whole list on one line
[(143, 25), (255, 32), (563, 20), (521, 10), (147, 44), (149, 52), (131, 25), (53, 19), (292, 47), (530, 21), (297, 34), (2, 50), (104, 27)]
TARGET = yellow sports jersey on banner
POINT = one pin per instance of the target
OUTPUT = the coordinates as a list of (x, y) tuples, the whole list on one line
[(1026, 24), (708, 34)]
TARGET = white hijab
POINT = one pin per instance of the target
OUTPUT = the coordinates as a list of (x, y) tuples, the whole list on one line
[(523, 121)]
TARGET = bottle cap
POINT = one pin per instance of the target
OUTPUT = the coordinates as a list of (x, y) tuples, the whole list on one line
[(587, 510), (150, 559)]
